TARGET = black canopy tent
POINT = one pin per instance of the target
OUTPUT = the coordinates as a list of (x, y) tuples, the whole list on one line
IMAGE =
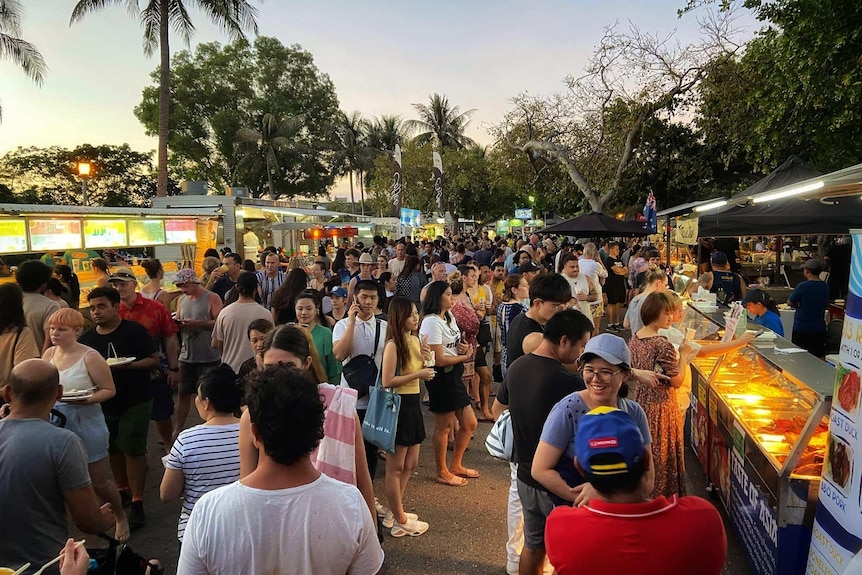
[(789, 216), (596, 225)]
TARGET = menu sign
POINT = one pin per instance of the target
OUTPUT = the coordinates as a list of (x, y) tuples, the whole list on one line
[(13, 236), (837, 535), (55, 235), (146, 232), (180, 231), (100, 233)]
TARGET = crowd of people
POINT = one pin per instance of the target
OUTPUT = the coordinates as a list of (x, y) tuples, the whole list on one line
[(279, 363)]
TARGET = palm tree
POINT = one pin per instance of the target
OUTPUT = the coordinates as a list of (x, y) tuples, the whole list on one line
[(263, 150), (157, 17), (384, 132), (441, 123), (21, 53), (352, 152)]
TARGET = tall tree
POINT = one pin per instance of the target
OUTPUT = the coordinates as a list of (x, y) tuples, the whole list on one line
[(352, 154), (441, 124), (384, 132), (157, 17), (22, 53), (219, 89), (797, 89), (591, 129), (264, 151)]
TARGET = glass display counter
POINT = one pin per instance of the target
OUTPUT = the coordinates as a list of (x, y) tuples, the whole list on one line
[(759, 427)]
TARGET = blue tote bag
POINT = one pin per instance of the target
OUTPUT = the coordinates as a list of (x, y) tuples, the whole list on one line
[(381, 418)]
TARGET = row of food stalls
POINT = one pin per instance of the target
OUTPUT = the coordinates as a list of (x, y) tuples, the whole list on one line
[(177, 230), (776, 429)]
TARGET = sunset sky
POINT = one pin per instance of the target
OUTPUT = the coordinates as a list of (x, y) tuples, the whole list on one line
[(381, 56)]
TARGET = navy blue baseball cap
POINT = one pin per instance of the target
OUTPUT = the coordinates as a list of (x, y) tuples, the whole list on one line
[(612, 433)]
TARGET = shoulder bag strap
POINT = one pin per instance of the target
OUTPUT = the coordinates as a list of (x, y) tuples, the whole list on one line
[(15, 346), (376, 338)]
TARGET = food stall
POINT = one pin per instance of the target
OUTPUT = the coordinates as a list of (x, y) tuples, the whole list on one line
[(759, 427)]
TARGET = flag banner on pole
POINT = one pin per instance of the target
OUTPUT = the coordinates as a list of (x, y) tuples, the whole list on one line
[(650, 212), (396, 183), (438, 183)]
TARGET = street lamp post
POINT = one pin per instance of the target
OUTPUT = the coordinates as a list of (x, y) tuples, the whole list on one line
[(84, 173)]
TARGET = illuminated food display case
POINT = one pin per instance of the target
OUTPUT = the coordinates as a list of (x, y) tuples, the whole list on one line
[(760, 427)]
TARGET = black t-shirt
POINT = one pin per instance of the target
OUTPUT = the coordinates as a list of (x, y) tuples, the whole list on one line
[(614, 281), (222, 285), (839, 262), (521, 327), (130, 339), (532, 387)]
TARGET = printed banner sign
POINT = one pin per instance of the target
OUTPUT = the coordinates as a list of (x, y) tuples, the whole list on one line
[(438, 183), (686, 231), (837, 537), (397, 186)]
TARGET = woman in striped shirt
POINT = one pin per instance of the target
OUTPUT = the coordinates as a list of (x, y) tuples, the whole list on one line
[(206, 456)]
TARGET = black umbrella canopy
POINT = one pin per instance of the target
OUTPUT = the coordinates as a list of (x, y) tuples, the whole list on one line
[(793, 170), (596, 225)]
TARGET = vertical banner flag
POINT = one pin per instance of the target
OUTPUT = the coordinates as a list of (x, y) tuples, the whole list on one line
[(650, 212), (837, 537), (438, 183), (396, 183)]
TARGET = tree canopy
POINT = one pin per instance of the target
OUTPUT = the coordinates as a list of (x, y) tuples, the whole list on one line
[(120, 176), (22, 53), (220, 89)]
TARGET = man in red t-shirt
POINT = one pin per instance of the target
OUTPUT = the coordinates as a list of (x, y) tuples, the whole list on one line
[(622, 530), (156, 318)]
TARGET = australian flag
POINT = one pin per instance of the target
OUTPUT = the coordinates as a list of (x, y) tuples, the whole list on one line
[(650, 214)]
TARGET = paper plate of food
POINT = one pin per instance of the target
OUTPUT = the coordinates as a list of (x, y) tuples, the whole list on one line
[(77, 394), (115, 361)]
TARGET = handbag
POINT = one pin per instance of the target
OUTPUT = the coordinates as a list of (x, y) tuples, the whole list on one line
[(361, 371), (500, 440), (381, 418)]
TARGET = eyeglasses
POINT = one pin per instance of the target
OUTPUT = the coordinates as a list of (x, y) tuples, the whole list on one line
[(604, 375), (557, 306)]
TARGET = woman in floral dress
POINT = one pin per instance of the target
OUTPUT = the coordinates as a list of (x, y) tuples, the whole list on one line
[(653, 352), (468, 322)]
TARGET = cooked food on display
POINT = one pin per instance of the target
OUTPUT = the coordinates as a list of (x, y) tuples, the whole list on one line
[(848, 389), (840, 455)]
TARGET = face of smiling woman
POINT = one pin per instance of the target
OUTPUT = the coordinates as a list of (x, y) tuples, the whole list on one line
[(603, 381)]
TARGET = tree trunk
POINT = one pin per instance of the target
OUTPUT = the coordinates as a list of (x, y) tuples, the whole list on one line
[(362, 192), (164, 97), (352, 198)]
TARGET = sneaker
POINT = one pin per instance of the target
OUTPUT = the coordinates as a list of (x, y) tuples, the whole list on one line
[(381, 511), (413, 528), (389, 519), (612, 327), (137, 519)]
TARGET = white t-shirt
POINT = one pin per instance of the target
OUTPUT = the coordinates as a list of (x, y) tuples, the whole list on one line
[(581, 283), (323, 527), (396, 266), (594, 270), (363, 344), (439, 332), (231, 329), (208, 456)]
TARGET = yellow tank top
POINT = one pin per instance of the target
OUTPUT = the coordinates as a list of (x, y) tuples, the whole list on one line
[(414, 365)]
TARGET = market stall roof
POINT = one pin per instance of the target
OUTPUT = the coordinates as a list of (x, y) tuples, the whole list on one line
[(792, 171), (42, 209), (683, 209), (826, 204), (596, 225), (791, 216)]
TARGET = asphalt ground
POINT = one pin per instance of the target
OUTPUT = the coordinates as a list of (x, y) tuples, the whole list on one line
[(467, 531)]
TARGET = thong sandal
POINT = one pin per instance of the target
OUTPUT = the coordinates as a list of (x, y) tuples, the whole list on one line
[(468, 474), (455, 481)]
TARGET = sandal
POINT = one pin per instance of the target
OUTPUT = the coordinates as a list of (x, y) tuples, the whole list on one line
[(468, 474), (413, 528), (455, 481)]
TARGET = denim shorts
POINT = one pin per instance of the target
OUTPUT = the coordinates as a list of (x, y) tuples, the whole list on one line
[(88, 423)]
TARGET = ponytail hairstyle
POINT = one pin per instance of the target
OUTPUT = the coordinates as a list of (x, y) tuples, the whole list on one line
[(295, 340)]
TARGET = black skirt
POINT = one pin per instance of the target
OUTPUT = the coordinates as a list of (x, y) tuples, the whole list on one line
[(411, 428), (446, 392)]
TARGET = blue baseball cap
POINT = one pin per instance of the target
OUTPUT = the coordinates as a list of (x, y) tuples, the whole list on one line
[(613, 434), (611, 348), (339, 291)]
